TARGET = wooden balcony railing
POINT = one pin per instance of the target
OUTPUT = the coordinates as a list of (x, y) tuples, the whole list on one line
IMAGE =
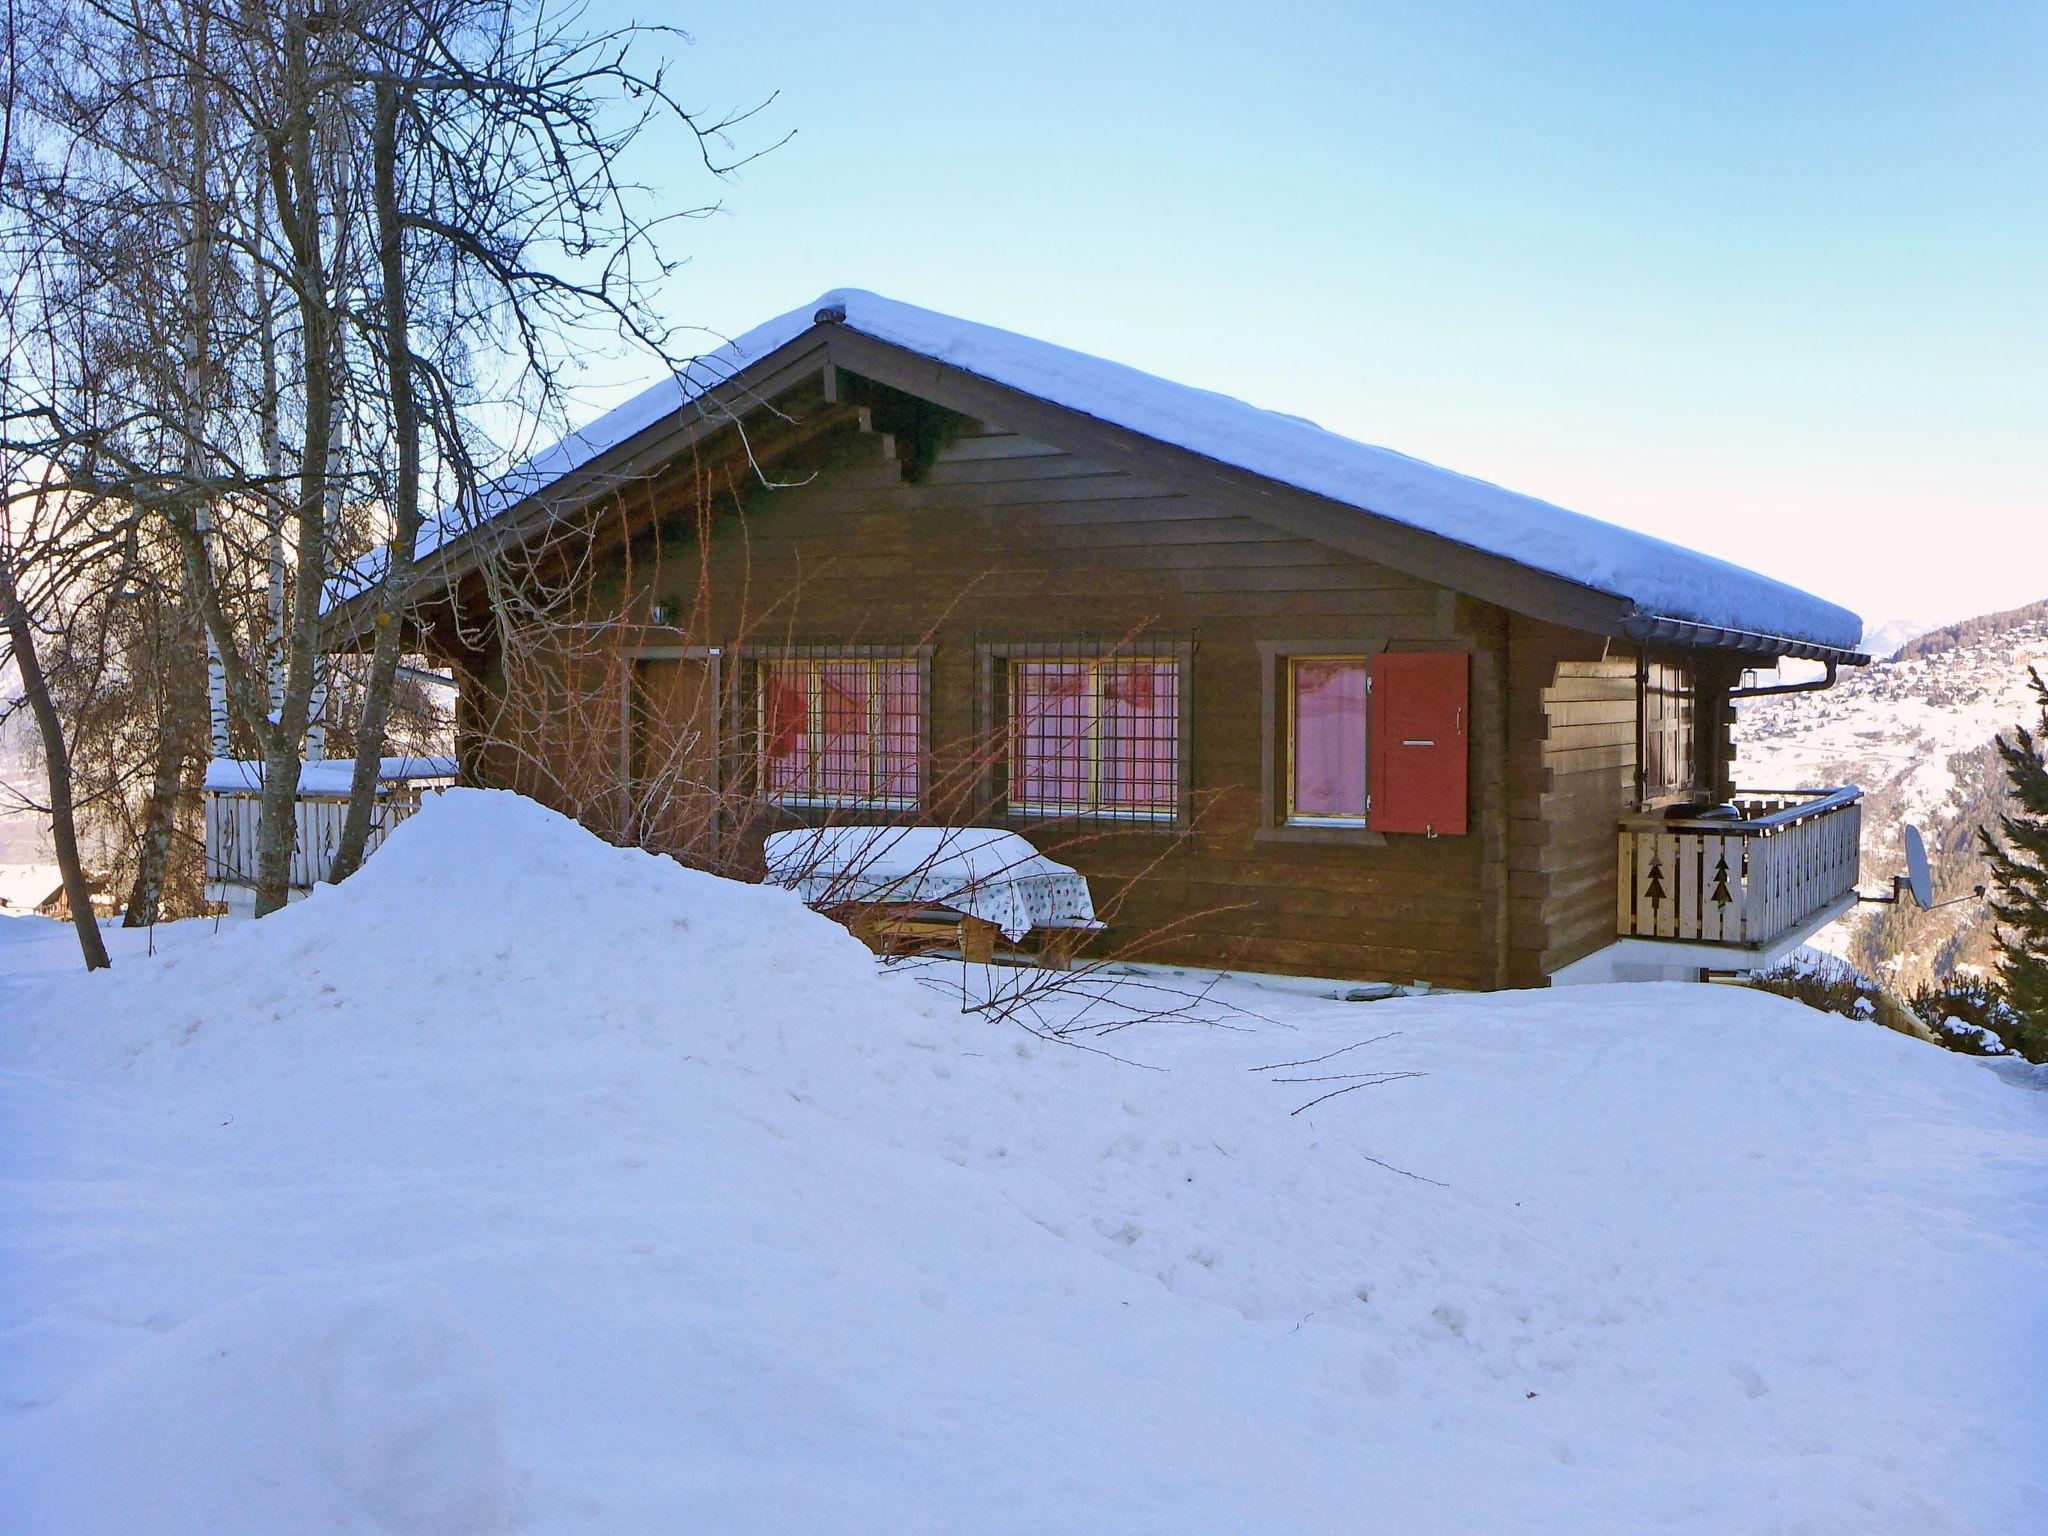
[(1742, 879)]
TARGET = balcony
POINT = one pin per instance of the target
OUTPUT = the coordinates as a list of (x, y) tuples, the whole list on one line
[(1759, 875)]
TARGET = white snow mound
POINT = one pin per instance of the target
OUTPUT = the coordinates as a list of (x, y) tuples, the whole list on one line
[(524, 1184), (490, 924)]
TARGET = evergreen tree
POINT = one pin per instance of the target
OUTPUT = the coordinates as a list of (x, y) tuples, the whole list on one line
[(2019, 870)]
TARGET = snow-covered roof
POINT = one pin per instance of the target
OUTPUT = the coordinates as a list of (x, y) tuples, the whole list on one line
[(331, 777), (1656, 577)]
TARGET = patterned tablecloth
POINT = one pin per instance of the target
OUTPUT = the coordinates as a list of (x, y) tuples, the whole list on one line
[(995, 876)]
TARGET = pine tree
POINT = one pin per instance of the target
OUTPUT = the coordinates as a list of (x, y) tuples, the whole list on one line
[(2019, 870)]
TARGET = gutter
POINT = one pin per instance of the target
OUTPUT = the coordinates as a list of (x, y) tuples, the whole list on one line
[(1654, 628)]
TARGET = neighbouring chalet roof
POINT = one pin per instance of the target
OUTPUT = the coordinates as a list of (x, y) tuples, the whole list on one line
[(330, 777), (1653, 589)]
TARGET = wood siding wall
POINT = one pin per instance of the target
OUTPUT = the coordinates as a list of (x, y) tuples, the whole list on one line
[(1571, 772), (998, 539)]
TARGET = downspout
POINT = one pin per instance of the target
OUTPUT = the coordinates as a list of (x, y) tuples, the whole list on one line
[(1826, 680)]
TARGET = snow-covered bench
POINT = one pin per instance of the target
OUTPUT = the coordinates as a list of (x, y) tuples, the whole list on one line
[(909, 888)]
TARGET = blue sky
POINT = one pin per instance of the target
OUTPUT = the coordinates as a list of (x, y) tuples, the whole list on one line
[(1767, 279)]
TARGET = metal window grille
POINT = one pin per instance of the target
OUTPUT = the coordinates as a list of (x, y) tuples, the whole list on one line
[(839, 726), (1092, 734)]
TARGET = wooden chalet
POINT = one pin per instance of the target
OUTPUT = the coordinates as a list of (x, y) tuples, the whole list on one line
[(1292, 703)]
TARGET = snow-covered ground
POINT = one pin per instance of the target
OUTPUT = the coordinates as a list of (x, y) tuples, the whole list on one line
[(523, 1184)]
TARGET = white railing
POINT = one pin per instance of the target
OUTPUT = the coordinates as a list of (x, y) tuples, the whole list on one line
[(1744, 879), (231, 832)]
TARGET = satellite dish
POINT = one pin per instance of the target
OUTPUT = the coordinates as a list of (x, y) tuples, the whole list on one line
[(1919, 879)]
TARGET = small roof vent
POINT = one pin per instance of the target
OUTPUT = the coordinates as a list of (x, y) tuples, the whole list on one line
[(831, 314)]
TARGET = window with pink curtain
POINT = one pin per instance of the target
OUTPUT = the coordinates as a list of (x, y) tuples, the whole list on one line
[(845, 731), (1327, 697), (841, 729), (1095, 735), (1140, 735), (1050, 727), (901, 733), (785, 728)]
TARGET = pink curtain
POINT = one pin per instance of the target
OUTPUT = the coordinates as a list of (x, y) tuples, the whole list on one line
[(843, 757), (1134, 735), (785, 728), (1139, 741), (1329, 737), (896, 753), (1049, 721)]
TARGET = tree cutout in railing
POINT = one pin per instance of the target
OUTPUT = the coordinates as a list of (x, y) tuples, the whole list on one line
[(1722, 896), (1653, 888)]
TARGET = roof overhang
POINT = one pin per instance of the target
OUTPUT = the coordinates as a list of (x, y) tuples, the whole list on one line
[(1658, 629), (830, 343), (724, 406)]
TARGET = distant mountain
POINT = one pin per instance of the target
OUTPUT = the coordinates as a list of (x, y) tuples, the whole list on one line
[(1915, 733), (1882, 641), (1943, 637)]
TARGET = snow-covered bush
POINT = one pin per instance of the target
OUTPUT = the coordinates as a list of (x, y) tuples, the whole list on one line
[(1966, 1014), (1960, 1013), (1834, 986)]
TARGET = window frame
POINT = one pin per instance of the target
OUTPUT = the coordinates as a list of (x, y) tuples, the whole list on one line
[(999, 740), (814, 658), (1669, 680), (1276, 738), (1316, 820)]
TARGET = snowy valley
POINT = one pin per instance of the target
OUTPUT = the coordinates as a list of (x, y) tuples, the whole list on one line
[(635, 1200), (1915, 731)]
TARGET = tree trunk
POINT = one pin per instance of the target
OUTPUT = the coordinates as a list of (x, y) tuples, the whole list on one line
[(21, 637), (159, 829), (295, 188), (405, 493), (170, 783)]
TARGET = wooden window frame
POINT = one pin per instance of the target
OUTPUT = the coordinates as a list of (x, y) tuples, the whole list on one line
[(752, 707), (1317, 821), (1276, 730), (993, 662), (1649, 796)]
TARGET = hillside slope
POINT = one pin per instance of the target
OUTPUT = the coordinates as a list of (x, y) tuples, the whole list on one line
[(630, 1200), (1916, 733)]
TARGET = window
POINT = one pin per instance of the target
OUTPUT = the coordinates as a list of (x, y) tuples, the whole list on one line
[(1094, 736), (1670, 762), (1360, 741), (840, 730), (1326, 746)]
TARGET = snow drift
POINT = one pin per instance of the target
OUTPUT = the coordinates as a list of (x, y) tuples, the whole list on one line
[(525, 1184)]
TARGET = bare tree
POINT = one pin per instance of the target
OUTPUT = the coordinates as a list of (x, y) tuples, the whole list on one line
[(21, 534), (507, 240), (305, 257)]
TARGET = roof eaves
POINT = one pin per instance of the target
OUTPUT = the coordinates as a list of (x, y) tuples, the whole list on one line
[(1658, 628)]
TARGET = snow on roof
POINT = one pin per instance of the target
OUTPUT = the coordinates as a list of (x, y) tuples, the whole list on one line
[(331, 777), (1655, 576)]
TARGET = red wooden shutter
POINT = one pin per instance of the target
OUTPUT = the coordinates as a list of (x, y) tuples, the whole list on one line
[(1417, 722)]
